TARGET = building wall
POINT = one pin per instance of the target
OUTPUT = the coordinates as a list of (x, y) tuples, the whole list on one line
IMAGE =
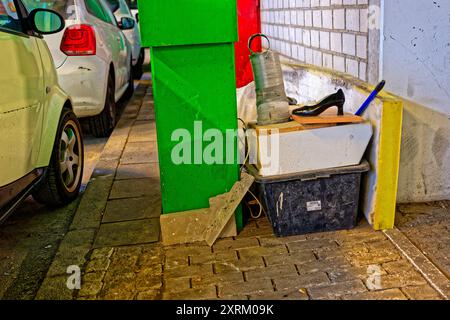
[(416, 51), (333, 34), (416, 66)]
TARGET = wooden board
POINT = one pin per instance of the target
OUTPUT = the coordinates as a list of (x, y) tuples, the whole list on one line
[(188, 226), (328, 118), (285, 127), (224, 207)]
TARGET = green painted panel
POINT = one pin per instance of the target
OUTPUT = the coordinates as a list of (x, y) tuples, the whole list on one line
[(194, 83), (180, 22)]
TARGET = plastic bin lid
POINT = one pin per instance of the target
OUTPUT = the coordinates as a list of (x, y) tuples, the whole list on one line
[(364, 166)]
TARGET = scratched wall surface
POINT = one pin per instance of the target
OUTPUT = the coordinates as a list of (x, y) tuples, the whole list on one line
[(416, 58), (416, 65)]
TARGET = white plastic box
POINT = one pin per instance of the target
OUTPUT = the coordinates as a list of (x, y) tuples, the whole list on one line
[(292, 148)]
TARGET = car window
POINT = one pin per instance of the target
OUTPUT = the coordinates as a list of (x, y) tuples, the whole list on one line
[(9, 18), (132, 4), (96, 8), (65, 8)]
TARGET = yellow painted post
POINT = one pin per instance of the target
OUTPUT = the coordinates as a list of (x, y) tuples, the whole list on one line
[(388, 164)]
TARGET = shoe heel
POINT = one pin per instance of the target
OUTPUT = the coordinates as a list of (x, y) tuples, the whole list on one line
[(340, 110)]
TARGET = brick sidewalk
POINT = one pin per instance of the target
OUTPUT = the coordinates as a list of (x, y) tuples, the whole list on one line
[(114, 237)]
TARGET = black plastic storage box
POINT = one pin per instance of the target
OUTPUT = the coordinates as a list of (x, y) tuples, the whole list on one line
[(313, 201)]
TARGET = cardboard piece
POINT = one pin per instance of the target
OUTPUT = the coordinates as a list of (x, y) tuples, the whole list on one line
[(217, 221)]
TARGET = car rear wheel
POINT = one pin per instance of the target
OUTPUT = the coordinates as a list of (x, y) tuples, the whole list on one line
[(103, 124), (138, 68), (62, 180)]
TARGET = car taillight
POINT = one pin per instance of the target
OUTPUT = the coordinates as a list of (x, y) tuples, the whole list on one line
[(79, 40)]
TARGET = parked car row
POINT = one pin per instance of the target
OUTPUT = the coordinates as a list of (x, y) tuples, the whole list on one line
[(60, 60)]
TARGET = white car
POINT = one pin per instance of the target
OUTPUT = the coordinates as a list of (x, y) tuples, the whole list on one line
[(93, 59), (121, 10)]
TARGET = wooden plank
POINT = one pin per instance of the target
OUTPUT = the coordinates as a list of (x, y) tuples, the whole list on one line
[(328, 118), (287, 127), (189, 226), (227, 205)]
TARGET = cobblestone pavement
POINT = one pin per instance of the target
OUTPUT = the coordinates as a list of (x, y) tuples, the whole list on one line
[(427, 225), (114, 238)]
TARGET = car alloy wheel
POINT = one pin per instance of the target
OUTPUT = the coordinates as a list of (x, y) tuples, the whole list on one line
[(70, 160)]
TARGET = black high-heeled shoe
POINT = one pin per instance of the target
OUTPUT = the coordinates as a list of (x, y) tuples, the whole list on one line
[(335, 100)]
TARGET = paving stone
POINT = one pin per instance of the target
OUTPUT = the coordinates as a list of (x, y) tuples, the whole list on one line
[(214, 257), (127, 233), (401, 280), (92, 204), (260, 286), (311, 244), (374, 257), (101, 253), (239, 265), (78, 238), (118, 294), (189, 271), (54, 288), (205, 293), (216, 279), (336, 290), (135, 188), (148, 295), (139, 152), (359, 237), (341, 251), (269, 241), (143, 131), (123, 275), (231, 244), (271, 272), (399, 266), (299, 257), (352, 273), (297, 282), (64, 258), (138, 171), (133, 209), (391, 294), (323, 265), (93, 277), (423, 292), (291, 294), (176, 284), (149, 279), (262, 251), (97, 265), (91, 288)]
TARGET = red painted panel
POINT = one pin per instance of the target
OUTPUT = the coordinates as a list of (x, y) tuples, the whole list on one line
[(249, 22)]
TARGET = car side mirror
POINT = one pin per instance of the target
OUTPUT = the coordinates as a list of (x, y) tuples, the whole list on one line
[(45, 21), (126, 23), (137, 17)]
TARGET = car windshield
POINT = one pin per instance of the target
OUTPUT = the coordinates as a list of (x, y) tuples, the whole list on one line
[(114, 5), (65, 8)]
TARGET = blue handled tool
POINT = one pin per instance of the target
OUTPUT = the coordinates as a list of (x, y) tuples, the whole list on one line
[(369, 100)]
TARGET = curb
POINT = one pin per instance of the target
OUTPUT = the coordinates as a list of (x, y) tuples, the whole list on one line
[(77, 244)]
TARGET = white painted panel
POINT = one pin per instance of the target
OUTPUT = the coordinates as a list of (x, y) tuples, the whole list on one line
[(416, 59)]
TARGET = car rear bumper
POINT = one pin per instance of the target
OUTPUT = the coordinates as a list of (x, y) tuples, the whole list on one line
[(84, 78)]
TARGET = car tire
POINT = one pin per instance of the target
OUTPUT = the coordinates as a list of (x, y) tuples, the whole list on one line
[(138, 68), (103, 124), (62, 179), (130, 89)]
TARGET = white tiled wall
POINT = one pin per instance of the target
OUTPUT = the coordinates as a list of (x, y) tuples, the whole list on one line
[(328, 33)]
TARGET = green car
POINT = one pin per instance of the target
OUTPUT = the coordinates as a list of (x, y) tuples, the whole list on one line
[(41, 145)]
